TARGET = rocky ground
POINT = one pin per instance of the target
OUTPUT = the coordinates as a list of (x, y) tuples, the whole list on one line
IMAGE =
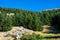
[(16, 32)]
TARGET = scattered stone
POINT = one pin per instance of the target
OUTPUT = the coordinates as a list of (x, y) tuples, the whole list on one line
[(17, 32)]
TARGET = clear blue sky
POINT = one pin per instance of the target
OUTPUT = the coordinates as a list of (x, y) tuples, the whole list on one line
[(33, 5)]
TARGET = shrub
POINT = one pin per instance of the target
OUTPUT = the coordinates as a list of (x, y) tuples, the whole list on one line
[(31, 37), (19, 19), (6, 23)]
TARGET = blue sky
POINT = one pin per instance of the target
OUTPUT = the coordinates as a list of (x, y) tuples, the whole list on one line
[(33, 5)]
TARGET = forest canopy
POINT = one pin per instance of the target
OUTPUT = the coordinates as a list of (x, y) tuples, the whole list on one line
[(29, 19)]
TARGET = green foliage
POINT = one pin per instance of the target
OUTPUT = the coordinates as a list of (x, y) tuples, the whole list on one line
[(37, 22), (28, 19), (31, 37), (6, 23)]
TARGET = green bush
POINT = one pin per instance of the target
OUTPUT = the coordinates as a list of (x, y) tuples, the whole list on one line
[(36, 22), (19, 19), (6, 23), (31, 37)]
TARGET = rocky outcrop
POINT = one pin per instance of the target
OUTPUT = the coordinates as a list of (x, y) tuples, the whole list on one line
[(17, 32)]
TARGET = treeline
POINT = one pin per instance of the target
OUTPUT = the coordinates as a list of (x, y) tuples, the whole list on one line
[(29, 19)]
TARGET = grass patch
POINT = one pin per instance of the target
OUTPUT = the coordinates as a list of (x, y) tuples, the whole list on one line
[(44, 35)]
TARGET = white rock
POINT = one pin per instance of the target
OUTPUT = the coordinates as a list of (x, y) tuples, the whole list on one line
[(21, 28), (11, 14)]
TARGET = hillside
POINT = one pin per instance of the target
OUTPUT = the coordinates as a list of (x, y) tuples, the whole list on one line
[(29, 19), (47, 21)]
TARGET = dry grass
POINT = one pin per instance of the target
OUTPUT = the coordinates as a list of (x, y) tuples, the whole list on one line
[(52, 39), (48, 35), (45, 34)]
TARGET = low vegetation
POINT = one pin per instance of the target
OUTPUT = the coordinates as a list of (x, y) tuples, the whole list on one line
[(31, 37)]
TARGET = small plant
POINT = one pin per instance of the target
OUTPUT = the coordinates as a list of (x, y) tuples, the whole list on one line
[(31, 37)]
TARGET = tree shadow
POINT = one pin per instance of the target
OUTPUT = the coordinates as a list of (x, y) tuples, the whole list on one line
[(55, 23)]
